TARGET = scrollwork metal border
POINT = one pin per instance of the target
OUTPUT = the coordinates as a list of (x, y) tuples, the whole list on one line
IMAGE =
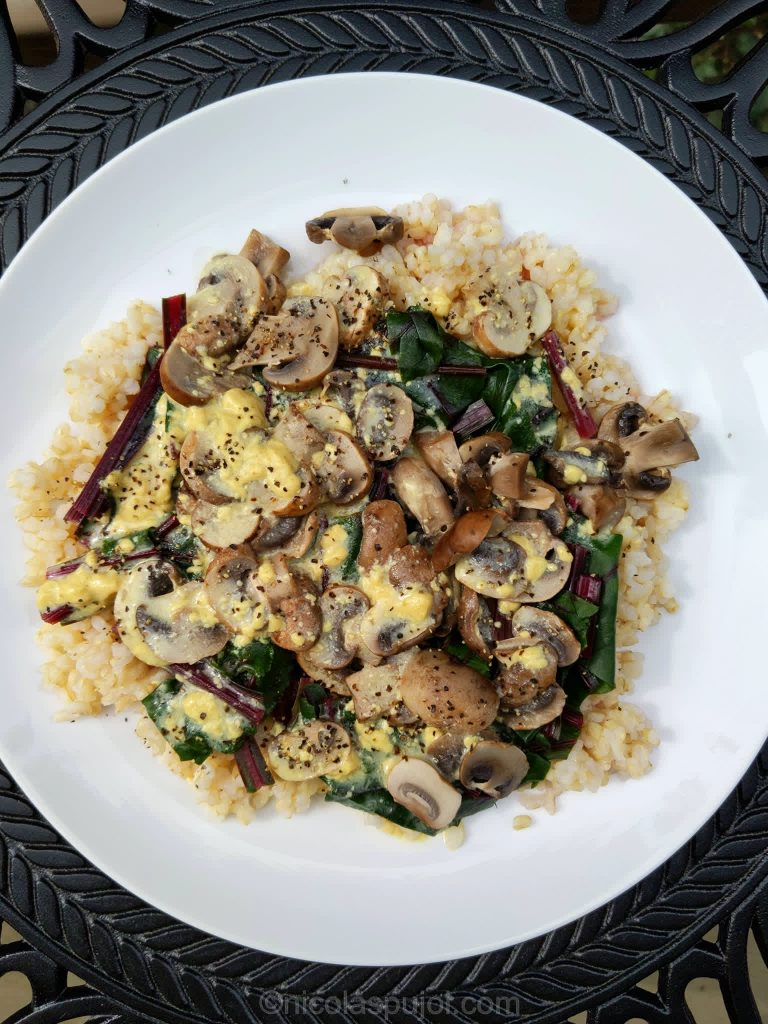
[(73, 912)]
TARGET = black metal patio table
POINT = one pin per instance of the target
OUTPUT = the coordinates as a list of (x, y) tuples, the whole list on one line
[(610, 65)]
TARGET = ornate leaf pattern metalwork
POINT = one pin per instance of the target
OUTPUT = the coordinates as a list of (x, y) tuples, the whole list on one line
[(157, 968), (623, 29)]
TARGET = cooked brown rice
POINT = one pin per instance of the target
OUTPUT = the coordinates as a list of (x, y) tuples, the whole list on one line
[(442, 249)]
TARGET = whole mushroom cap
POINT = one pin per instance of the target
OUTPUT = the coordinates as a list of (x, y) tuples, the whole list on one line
[(447, 694), (420, 788)]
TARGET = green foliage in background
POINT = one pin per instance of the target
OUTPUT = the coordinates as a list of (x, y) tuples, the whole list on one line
[(716, 61)]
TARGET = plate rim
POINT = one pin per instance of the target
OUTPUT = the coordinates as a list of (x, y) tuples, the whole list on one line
[(623, 69)]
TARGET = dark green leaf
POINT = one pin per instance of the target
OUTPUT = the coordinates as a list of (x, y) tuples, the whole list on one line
[(456, 353), (379, 801), (260, 665), (108, 548), (472, 805), (459, 650), (459, 392), (523, 407), (603, 561), (354, 528), (419, 342), (306, 710), (195, 748), (538, 767), (313, 695), (190, 738), (575, 611)]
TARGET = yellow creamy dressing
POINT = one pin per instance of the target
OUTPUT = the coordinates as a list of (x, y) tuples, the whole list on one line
[(412, 602), (348, 766), (429, 734), (226, 415), (333, 418), (527, 390), (535, 566), (569, 378), (230, 424), (574, 475), (83, 588), (375, 736), (142, 490), (190, 600), (334, 546), (532, 658), (438, 301), (259, 460), (219, 722)]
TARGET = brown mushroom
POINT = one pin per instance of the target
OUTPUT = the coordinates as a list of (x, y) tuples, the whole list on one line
[(375, 691), (591, 461), (481, 449), (476, 623), (364, 229), (302, 623), (268, 257), (291, 536), (344, 389), (467, 533), (603, 505), (543, 709), (621, 420), (507, 474), (298, 434), (385, 422), (335, 681), (291, 595), (184, 377), (297, 346), (342, 469), (163, 619), (650, 450), (229, 286), (232, 589), (494, 768), (399, 621), (340, 605), (307, 498), (517, 313), (447, 694), (358, 298), (411, 564), (524, 563), (384, 531), (309, 751), (446, 752), (549, 627), (473, 488), (420, 788), (528, 666), (224, 525), (419, 489), (439, 451), (276, 294), (325, 416), (198, 463), (543, 501)]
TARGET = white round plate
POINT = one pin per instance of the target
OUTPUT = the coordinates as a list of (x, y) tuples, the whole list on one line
[(324, 886)]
